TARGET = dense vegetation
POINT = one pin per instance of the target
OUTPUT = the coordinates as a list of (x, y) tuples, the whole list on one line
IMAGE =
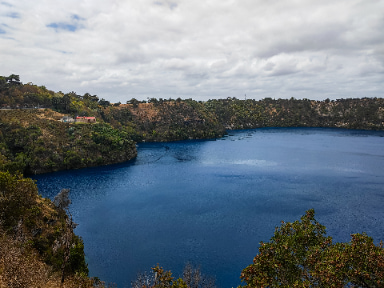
[(32, 141), (37, 245), (170, 120), (365, 113), (301, 255), (34, 237)]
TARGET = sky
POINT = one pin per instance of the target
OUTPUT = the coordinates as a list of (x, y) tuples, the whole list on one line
[(205, 49)]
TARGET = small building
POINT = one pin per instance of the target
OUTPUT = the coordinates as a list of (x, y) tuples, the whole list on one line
[(67, 119), (86, 119)]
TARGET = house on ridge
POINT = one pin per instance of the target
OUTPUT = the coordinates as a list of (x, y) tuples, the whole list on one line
[(86, 119)]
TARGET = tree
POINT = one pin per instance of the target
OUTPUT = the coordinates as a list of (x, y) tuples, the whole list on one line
[(62, 200), (72, 246), (27, 241), (66, 103), (159, 278), (17, 198), (193, 278), (300, 255), (13, 80), (104, 103), (134, 102), (3, 83)]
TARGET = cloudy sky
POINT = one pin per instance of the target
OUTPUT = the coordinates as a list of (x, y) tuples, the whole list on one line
[(205, 49)]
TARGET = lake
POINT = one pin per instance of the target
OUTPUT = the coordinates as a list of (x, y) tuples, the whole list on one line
[(210, 203)]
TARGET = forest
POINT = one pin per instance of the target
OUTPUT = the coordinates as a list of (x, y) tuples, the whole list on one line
[(38, 247), (33, 140)]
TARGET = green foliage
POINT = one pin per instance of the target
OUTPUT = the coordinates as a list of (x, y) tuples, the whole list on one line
[(32, 144), (300, 255), (171, 120), (134, 102), (9, 82), (32, 141), (77, 262), (17, 199), (33, 230), (22, 212), (104, 103)]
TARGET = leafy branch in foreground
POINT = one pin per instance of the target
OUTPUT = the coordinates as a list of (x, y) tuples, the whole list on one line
[(300, 255)]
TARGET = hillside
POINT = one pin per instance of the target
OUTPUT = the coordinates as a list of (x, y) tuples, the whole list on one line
[(365, 113), (165, 120), (33, 141), (37, 245)]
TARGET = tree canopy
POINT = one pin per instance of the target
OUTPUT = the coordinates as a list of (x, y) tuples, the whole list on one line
[(301, 255)]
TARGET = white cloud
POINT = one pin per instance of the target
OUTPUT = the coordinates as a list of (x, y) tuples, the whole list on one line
[(200, 49)]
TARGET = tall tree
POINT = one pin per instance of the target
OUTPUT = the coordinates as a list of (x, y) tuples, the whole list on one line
[(13, 79), (62, 202)]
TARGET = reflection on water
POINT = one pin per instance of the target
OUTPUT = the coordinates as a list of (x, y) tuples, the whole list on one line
[(212, 202)]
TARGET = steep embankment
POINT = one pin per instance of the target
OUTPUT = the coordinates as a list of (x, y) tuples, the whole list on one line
[(365, 113), (170, 120), (37, 243), (165, 120)]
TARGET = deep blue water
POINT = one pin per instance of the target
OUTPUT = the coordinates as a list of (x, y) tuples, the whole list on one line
[(211, 202)]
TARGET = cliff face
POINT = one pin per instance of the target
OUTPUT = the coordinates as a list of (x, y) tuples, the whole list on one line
[(171, 120), (34, 238), (365, 113), (166, 120)]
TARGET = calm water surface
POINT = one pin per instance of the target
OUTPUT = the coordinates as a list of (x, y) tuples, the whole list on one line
[(211, 202)]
